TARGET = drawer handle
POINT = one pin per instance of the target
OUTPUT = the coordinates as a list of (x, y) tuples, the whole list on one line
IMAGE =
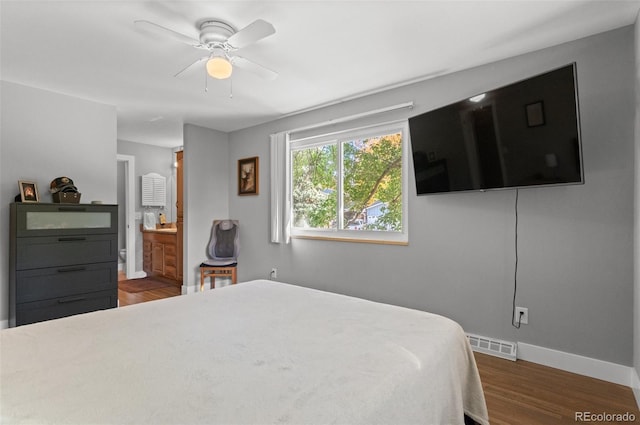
[(71, 209), (71, 239), (71, 269), (71, 300)]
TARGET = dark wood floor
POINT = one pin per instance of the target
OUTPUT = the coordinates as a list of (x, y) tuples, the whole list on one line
[(128, 298), (517, 393), (522, 392)]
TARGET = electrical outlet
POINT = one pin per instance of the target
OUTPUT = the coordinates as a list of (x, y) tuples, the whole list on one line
[(274, 273), (522, 316)]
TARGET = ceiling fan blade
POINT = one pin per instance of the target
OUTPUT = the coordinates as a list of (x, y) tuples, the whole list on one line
[(253, 67), (253, 32), (191, 66), (159, 29)]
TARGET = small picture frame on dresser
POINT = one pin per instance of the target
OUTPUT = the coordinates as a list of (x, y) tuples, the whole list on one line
[(28, 191)]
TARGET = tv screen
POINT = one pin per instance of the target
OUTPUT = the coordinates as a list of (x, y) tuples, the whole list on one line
[(520, 135)]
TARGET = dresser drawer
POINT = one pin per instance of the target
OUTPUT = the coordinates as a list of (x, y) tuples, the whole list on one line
[(32, 220), (55, 282), (41, 252), (39, 311)]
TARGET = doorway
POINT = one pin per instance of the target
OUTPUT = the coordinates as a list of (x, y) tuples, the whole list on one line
[(129, 163)]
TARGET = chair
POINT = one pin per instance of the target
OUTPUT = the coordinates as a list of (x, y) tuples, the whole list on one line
[(223, 252)]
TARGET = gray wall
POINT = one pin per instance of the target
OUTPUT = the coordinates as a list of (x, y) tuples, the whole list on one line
[(148, 159), (206, 185), (45, 135), (576, 242)]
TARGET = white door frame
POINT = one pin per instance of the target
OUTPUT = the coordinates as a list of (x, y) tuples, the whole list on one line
[(130, 215)]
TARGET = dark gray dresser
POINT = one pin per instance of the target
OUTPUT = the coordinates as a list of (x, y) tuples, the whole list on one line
[(63, 260)]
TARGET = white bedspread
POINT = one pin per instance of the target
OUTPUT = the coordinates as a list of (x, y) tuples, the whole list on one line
[(259, 352)]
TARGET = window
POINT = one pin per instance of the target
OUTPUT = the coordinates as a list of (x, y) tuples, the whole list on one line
[(351, 185)]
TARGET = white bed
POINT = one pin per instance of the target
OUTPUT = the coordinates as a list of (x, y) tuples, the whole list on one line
[(259, 352)]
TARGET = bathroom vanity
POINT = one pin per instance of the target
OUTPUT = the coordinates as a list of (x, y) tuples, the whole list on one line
[(159, 251)]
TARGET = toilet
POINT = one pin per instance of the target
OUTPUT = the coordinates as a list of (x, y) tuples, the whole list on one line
[(123, 255)]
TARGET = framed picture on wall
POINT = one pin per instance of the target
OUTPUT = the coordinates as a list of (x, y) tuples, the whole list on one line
[(248, 176), (28, 191)]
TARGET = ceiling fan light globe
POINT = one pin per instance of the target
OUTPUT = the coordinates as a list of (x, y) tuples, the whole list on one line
[(219, 68)]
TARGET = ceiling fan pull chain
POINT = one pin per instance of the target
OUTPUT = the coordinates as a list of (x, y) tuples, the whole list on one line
[(206, 82), (230, 88)]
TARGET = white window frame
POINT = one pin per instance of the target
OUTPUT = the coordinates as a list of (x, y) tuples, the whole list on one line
[(367, 236)]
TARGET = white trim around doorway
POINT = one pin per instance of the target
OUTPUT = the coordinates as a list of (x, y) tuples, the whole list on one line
[(130, 216)]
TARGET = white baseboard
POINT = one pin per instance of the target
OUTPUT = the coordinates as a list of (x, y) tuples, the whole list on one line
[(190, 289), (194, 289), (574, 363), (4, 324)]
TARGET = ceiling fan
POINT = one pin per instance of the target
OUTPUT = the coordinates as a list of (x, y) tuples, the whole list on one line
[(221, 40)]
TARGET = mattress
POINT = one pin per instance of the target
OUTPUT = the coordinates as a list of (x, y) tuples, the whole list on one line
[(258, 352)]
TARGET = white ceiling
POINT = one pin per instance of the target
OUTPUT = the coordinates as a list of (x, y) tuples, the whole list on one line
[(324, 51)]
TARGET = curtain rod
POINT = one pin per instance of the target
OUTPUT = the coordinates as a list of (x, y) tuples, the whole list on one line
[(353, 117)]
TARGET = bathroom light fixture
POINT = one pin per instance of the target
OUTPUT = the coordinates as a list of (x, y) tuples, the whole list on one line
[(477, 98), (218, 66)]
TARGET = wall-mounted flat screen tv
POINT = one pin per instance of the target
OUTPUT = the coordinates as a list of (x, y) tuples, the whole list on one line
[(520, 135)]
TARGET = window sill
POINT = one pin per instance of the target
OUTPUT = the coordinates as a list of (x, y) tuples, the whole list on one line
[(352, 240)]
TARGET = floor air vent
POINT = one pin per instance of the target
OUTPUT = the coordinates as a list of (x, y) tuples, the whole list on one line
[(494, 347)]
